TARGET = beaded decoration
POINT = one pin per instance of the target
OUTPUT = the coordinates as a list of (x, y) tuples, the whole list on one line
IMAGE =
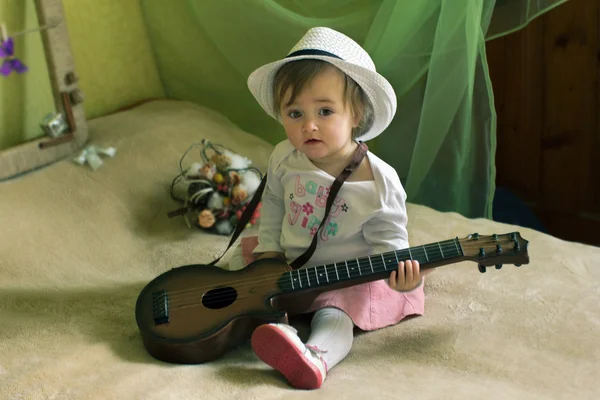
[(215, 191)]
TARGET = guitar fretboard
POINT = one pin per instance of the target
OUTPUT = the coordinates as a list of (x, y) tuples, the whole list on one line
[(369, 266)]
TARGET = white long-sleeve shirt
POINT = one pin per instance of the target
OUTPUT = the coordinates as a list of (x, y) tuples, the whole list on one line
[(367, 217)]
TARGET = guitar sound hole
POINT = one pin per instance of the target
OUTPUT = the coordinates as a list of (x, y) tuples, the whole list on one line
[(219, 298)]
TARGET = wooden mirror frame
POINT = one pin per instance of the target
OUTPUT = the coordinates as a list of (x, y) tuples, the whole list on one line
[(68, 99)]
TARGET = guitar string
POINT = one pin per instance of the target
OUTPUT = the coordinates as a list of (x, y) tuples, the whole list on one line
[(278, 274), (252, 280), (240, 295), (199, 303), (195, 298), (378, 267), (447, 246), (192, 295)]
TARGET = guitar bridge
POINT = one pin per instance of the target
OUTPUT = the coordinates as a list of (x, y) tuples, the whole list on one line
[(160, 307)]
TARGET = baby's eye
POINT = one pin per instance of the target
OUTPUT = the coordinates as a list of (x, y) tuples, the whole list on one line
[(325, 112), (294, 114)]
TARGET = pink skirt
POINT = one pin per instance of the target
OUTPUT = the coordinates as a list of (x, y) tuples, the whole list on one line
[(371, 305)]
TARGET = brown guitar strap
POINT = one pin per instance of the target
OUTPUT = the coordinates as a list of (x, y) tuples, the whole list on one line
[(335, 187)]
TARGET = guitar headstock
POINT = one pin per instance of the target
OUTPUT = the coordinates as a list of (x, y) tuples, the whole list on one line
[(495, 250)]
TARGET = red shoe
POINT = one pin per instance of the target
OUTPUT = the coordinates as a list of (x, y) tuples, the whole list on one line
[(279, 346)]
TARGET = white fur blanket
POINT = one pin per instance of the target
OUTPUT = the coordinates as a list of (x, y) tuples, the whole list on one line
[(77, 246)]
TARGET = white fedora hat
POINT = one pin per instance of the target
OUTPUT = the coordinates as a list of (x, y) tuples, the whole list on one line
[(338, 49)]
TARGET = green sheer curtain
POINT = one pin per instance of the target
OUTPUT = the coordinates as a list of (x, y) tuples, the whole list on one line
[(442, 141)]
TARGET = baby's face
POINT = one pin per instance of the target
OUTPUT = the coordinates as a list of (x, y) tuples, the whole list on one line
[(319, 122)]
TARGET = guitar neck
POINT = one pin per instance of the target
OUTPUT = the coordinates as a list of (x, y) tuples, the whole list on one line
[(370, 268)]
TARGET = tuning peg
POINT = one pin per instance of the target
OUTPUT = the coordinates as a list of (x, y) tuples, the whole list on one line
[(498, 249), (498, 266), (517, 265), (481, 268)]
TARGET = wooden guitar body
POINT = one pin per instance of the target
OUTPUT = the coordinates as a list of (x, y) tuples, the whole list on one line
[(191, 315)]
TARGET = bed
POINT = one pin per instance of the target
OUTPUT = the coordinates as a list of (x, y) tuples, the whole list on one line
[(77, 246)]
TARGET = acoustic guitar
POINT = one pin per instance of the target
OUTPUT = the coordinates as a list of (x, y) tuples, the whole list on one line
[(195, 313)]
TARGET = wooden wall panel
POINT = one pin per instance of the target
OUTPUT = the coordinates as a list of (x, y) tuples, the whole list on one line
[(570, 44), (517, 73), (596, 161), (546, 82)]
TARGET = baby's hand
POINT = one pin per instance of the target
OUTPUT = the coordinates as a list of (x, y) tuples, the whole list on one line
[(409, 276)]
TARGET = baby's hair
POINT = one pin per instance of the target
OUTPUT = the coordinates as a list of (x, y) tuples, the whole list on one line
[(297, 74)]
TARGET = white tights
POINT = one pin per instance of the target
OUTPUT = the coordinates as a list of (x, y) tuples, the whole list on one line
[(331, 328), (332, 332)]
